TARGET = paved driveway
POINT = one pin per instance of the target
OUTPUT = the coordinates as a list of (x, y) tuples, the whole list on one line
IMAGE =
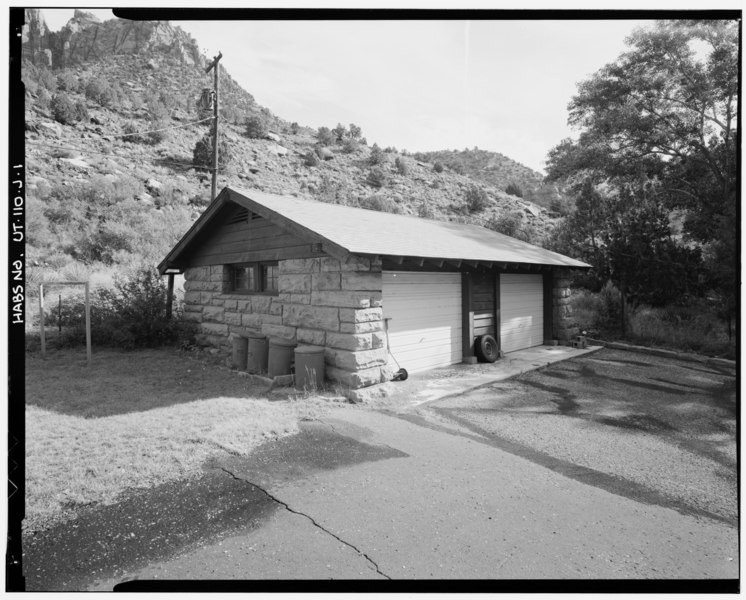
[(654, 429), (610, 466)]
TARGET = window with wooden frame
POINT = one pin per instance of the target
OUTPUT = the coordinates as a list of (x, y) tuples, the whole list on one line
[(253, 278)]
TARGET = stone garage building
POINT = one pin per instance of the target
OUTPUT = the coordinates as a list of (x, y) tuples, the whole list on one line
[(338, 277)]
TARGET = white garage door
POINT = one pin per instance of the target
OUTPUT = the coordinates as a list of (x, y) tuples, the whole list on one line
[(521, 311), (425, 313)]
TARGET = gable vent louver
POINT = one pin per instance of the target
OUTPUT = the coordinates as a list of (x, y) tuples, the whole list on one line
[(240, 216)]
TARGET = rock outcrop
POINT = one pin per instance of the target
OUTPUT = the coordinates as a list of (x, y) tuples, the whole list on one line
[(85, 38)]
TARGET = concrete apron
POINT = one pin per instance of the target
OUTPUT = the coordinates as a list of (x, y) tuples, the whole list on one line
[(455, 380)]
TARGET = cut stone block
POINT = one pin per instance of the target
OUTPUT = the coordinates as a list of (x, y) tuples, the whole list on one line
[(311, 317)]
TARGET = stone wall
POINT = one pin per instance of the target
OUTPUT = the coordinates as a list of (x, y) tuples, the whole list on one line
[(321, 301), (564, 326)]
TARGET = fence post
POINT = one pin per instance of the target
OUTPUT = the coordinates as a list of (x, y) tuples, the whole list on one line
[(87, 324), (41, 319)]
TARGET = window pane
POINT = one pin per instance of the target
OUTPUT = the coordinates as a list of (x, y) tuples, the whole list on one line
[(269, 278), (243, 278)]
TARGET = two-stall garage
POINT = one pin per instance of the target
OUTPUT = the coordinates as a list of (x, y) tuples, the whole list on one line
[(424, 314)]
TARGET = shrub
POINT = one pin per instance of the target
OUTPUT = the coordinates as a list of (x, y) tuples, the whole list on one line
[(99, 91), (294, 128), (506, 223), (47, 80), (381, 203), (349, 146), (376, 177), (44, 99), (64, 110), (438, 167), (232, 114), (310, 159), (377, 155), (514, 190), (325, 136), (136, 101), (476, 199), (256, 127), (157, 108), (610, 308), (402, 165), (81, 110), (157, 132), (691, 328), (132, 134), (426, 211), (202, 153), (514, 225), (132, 315), (67, 82)]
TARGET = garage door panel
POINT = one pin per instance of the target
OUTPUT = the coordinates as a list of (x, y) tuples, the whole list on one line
[(418, 338), (521, 311), (424, 312)]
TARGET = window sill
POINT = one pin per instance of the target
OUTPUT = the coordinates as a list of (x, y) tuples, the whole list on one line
[(242, 295)]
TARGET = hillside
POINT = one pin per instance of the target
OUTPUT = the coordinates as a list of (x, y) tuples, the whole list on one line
[(501, 172), (114, 181)]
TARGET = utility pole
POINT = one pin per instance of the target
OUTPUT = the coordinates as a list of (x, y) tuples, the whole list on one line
[(214, 65)]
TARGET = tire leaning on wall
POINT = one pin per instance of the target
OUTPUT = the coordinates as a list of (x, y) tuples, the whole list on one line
[(486, 348)]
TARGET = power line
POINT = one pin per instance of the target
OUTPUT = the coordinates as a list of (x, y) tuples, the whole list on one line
[(109, 154), (159, 130)]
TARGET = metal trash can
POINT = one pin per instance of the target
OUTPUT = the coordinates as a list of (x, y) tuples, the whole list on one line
[(240, 349), (257, 353), (280, 356), (309, 367)]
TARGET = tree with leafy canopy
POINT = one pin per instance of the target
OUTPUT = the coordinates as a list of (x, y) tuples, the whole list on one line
[(355, 132), (664, 114), (339, 133)]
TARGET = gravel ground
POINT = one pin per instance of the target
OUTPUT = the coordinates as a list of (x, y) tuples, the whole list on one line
[(666, 424)]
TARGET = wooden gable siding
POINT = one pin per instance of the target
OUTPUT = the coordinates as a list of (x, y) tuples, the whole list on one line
[(230, 240), (483, 303)]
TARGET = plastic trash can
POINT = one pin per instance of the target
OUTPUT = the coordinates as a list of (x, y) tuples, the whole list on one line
[(257, 353), (240, 349), (309, 367), (280, 356)]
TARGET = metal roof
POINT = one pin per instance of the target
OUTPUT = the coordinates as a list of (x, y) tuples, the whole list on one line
[(362, 231)]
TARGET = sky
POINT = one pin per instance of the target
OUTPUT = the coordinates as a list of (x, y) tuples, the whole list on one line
[(421, 85)]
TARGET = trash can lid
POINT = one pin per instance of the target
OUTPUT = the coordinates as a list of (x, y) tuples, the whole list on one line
[(281, 342), (256, 335), (309, 349)]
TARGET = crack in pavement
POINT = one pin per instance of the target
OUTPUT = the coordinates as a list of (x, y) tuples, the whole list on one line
[(310, 518)]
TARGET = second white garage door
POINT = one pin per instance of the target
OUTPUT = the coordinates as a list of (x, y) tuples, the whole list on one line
[(425, 318), (521, 311)]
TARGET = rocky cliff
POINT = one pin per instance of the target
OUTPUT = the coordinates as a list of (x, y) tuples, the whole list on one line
[(85, 38)]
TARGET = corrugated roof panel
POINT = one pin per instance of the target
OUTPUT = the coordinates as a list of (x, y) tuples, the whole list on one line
[(362, 231)]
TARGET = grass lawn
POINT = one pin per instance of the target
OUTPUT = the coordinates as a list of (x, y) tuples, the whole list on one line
[(135, 420)]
